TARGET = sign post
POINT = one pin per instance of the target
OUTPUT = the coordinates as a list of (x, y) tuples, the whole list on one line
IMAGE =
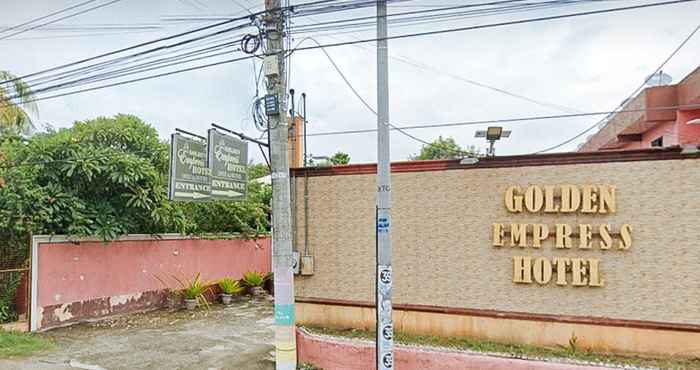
[(228, 158), (190, 178)]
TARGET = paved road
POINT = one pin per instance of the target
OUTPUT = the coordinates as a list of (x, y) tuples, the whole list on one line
[(236, 337)]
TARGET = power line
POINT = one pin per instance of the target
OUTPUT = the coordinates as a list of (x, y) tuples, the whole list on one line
[(637, 90), (47, 16), (369, 107), (106, 64), (509, 23), (460, 29), (60, 19), (394, 127), (248, 17), (426, 67), (504, 120), (398, 18)]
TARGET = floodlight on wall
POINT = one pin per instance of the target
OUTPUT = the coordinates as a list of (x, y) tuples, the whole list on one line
[(694, 122), (469, 160), (319, 161), (492, 134)]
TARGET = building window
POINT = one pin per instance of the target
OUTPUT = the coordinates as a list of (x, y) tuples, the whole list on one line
[(658, 142)]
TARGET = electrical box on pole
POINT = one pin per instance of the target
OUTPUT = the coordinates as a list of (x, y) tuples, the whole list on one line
[(271, 66)]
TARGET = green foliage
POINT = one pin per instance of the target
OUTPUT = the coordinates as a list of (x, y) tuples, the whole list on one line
[(194, 288), (14, 117), (230, 286), (573, 343), (253, 279), (107, 177), (103, 177), (8, 290), (443, 149), (340, 158), (257, 170), (16, 344)]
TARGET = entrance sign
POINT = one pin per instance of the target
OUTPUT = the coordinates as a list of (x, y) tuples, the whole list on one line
[(228, 158), (189, 174)]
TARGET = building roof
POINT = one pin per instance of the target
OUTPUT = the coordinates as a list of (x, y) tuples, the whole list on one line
[(644, 112)]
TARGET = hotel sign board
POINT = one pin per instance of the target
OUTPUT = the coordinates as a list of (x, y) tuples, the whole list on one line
[(189, 174), (578, 240), (205, 170), (228, 157)]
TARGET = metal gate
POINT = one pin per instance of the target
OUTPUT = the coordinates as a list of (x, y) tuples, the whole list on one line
[(15, 270)]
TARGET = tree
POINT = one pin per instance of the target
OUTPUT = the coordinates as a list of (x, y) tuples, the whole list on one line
[(443, 149), (16, 104), (340, 158), (106, 177), (257, 170)]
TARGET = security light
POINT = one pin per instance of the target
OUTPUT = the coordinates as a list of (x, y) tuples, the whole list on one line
[(694, 121), (492, 134)]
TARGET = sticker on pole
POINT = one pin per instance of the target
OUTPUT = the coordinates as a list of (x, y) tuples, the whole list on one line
[(387, 336), (384, 280), (383, 225), (387, 361)]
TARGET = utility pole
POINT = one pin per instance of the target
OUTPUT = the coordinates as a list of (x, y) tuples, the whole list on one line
[(385, 327), (282, 260)]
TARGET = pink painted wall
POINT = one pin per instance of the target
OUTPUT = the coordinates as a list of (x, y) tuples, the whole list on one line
[(330, 354), (69, 273)]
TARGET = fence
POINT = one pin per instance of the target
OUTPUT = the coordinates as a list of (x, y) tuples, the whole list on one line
[(14, 277), (86, 279)]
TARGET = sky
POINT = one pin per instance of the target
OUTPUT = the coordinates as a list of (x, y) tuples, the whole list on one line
[(582, 64)]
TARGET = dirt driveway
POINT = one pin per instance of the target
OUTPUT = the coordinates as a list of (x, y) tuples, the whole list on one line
[(236, 337)]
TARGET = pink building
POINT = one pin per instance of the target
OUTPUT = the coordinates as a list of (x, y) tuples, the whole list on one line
[(650, 123)]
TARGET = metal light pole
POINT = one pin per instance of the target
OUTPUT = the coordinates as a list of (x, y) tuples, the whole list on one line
[(282, 260), (385, 328)]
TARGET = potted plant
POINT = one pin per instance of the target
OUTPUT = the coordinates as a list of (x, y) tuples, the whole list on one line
[(229, 288), (254, 281), (193, 292)]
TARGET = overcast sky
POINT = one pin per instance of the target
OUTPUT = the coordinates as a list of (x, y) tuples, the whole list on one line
[(581, 64)]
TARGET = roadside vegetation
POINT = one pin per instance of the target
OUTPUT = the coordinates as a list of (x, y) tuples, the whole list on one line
[(103, 177), (570, 352), (16, 344)]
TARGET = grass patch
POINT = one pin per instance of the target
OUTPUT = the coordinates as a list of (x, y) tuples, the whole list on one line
[(518, 350), (17, 344)]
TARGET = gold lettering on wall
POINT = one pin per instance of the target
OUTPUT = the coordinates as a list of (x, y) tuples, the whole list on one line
[(518, 235), (522, 270), (498, 234), (562, 199), (540, 233)]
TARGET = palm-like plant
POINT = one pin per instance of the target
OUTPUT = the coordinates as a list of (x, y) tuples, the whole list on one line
[(16, 105)]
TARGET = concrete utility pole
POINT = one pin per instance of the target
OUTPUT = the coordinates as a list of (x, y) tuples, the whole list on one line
[(385, 327), (282, 260)]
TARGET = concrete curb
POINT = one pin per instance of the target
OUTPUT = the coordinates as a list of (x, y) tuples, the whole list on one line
[(336, 354)]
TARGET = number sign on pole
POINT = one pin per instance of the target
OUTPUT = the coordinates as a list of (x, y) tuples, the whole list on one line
[(228, 158), (189, 173)]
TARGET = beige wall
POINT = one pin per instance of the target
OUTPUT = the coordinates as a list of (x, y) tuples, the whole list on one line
[(442, 240)]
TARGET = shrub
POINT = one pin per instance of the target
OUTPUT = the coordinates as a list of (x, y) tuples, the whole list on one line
[(253, 279), (8, 289), (195, 289), (230, 286)]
